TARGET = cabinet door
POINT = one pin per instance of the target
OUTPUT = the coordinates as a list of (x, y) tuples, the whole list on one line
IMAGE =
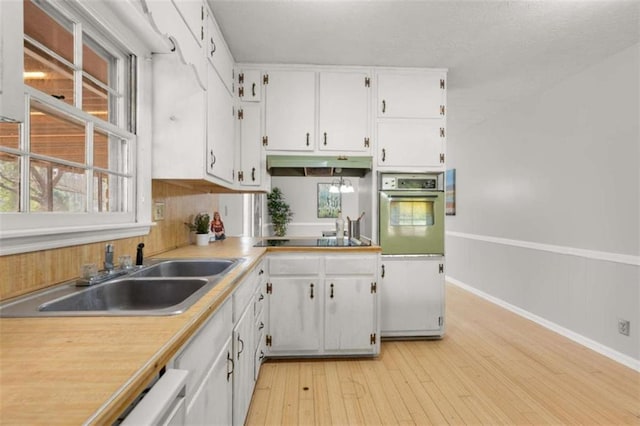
[(218, 53), (244, 352), (410, 143), (11, 52), (250, 85), (411, 95), (343, 114), (295, 314), (220, 128), (192, 12), (412, 297), (349, 313), (251, 152), (211, 404), (290, 110)]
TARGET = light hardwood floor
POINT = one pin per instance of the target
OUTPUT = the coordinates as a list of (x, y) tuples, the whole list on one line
[(492, 367)]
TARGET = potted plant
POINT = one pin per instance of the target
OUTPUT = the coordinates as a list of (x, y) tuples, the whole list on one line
[(201, 227), (279, 211)]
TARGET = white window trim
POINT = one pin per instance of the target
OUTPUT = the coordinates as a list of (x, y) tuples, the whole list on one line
[(41, 234)]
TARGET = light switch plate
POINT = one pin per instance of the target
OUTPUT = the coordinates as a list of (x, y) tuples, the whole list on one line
[(158, 211)]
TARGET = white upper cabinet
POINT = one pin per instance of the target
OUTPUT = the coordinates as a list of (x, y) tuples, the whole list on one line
[(11, 86), (411, 94), (344, 111), (290, 110), (250, 85), (218, 52), (411, 143), (220, 129), (170, 22), (192, 13), (251, 153)]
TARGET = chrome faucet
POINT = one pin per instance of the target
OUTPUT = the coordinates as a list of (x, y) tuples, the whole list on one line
[(108, 258)]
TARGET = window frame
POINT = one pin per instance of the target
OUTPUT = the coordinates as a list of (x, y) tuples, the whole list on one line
[(31, 231)]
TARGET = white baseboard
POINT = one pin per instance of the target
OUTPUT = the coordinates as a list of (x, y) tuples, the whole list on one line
[(578, 338)]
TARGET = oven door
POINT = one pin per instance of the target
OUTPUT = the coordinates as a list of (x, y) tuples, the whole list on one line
[(411, 222)]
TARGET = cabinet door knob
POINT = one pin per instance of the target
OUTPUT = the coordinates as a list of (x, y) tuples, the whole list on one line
[(384, 154), (382, 274), (253, 174), (253, 90), (384, 106), (307, 138), (325, 138), (213, 47), (331, 294), (311, 292)]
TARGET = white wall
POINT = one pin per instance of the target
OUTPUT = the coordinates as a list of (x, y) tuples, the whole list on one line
[(548, 205), (302, 195)]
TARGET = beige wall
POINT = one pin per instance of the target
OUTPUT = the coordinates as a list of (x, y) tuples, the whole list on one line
[(23, 273)]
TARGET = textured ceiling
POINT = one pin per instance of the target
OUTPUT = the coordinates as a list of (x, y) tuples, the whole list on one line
[(496, 51)]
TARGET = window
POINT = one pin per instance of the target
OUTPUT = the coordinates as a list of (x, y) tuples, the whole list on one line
[(72, 162)]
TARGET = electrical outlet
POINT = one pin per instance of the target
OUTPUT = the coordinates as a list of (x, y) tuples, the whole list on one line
[(623, 327)]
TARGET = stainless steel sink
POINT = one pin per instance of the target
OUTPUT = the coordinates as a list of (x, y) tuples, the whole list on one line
[(165, 287), (130, 295), (186, 268)]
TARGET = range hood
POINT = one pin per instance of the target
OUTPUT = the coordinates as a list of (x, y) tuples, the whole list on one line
[(311, 165)]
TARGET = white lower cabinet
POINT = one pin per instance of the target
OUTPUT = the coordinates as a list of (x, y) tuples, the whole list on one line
[(243, 358), (322, 305), (211, 403), (295, 316), (413, 296)]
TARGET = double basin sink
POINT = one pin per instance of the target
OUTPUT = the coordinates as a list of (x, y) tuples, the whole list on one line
[(167, 287)]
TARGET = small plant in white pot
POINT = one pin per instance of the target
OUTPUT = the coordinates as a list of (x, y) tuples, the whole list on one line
[(201, 226)]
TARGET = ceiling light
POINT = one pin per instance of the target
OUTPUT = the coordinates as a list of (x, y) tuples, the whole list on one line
[(32, 75)]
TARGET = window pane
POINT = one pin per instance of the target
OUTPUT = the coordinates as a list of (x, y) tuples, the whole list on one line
[(110, 152), (96, 100), (411, 213), (57, 135), (56, 188), (9, 182), (54, 33), (110, 192), (10, 135), (47, 74), (101, 66)]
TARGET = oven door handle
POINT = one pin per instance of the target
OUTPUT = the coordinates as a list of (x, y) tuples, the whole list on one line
[(414, 197)]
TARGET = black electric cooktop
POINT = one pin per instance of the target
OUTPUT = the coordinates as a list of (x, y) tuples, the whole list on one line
[(310, 242)]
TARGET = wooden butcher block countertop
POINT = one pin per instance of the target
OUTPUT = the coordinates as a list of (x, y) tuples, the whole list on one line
[(74, 370)]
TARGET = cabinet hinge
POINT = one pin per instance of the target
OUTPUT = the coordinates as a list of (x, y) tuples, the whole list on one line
[(265, 79), (372, 338), (240, 176), (441, 109), (366, 142), (269, 288), (240, 114), (374, 287), (241, 91), (442, 132), (442, 158), (367, 82), (268, 340), (241, 78), (441, 268), (440, 321), (265, 140), (442, 83)]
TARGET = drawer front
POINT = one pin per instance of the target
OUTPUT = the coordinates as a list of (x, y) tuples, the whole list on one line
[(299, 265), (201, 350), (351, 265)]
